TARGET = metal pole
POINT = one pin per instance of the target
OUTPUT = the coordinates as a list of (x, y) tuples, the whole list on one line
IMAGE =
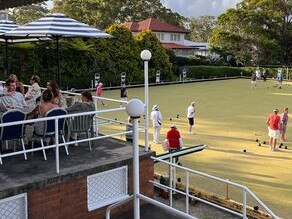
[(6, 58), (146, 106), (244, 204), (136, 168), (58, 61), (57, 145)]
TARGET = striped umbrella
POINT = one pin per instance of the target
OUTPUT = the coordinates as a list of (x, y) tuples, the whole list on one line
[(6, 26), (56, 26)]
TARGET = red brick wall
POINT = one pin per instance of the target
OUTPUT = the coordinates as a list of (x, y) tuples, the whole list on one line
[(69, 199)]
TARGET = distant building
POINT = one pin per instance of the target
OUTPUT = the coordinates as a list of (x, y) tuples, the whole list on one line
[(171, 37)]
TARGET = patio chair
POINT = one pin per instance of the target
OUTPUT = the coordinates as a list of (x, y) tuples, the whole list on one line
[(49, 131), (80, 124), (13, 132)]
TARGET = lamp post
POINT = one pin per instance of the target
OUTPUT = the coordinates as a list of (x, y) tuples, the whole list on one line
[(146, 56), (135, 109)]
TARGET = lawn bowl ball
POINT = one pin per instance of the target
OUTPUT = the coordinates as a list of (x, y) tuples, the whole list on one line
[(286, 147), (170, 119), (263, 142), (280, 146), (244, 151), (177, 116), (256, 208), (116, 119), (259, 144), (257, 140)]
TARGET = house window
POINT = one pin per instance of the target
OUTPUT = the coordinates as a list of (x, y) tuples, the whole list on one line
[(160, 36), (174, 37)]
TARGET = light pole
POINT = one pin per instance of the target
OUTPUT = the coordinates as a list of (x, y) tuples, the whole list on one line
[(146, 56), (135, 108)]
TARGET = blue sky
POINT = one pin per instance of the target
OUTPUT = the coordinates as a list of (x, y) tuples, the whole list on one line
[(195, 8)]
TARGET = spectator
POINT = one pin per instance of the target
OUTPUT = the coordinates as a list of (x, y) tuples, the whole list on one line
[(124, 93), (99, 92), (46, 105), (156, 121), (280, 78), (129, 127), (12, 99), (57, 96), (19, 85), (284, 120), (274, 126), (33, 92), (253, 82), (264, 74), (174, 141), (191, 116)]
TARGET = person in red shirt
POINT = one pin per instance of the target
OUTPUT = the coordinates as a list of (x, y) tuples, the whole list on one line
[(274, 126), (174, 141)]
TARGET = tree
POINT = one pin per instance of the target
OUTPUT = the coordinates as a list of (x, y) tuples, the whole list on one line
[(160, 60), (260, 32), (103, 13), (25, 14), (201, 28)]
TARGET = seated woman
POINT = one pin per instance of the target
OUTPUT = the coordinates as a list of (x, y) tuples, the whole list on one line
[(57, 96), (85, 105), (33, 92), (46, 105)]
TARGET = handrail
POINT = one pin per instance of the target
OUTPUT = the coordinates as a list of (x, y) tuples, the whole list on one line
[(188, 170)]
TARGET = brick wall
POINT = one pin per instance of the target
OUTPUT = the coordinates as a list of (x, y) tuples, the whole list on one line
[(68, 200)]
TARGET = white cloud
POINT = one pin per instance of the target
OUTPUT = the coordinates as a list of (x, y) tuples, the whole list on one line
[(195, 8)]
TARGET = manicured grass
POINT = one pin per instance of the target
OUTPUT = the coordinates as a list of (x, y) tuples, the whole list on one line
[(229, 117)]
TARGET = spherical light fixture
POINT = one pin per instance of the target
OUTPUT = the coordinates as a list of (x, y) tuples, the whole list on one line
[(145, 55), (135, 108)]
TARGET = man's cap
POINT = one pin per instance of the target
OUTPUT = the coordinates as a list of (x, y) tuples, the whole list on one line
[(155, 107), (276, 110), (173, 126)]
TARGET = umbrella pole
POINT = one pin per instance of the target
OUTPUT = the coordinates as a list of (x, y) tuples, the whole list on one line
[(6, 58), (58, 61)]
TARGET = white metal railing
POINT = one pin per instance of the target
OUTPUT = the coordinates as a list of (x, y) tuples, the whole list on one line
[(187, 194), (57, 144)]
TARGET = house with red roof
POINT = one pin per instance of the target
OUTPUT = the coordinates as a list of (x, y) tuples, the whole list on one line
[(171, 37)]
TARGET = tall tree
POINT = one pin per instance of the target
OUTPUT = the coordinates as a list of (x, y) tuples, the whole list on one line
[(103, 13), (201, 28), (24, 14), (261, 31)]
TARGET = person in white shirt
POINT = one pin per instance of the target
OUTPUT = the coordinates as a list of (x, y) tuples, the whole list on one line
[(12, 99), (156, 120), (191, 116), (33, 92)]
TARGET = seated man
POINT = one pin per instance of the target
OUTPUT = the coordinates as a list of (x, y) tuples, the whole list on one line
[(12, 99)]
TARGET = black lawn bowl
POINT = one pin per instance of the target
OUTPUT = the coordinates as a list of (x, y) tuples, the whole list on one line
[(257, 140), (286, 147), (263, 142), (256, 208), (177, 116), (170, 119), (280, 146), (259, 144), (244, 151)]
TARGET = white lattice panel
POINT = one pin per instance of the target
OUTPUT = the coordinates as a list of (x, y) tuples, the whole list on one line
[(14, 207), (107, 187)]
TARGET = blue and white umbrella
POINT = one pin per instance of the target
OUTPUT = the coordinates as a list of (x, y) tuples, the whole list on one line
[(56, 26), (6, 26)]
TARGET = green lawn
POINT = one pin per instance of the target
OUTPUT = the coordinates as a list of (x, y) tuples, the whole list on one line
[(229, 117)]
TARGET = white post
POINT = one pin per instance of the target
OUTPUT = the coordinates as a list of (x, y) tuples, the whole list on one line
[(57, 145), (135, 109), (136, 168), (146, 56), (244, 204)]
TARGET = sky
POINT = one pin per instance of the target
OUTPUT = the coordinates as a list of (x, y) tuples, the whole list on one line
[(196, 8)]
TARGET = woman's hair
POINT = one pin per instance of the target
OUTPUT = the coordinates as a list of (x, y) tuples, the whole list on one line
[(285, 109), (13, 77), (47, 95), (87, 94), (35, 78), (54, 88)]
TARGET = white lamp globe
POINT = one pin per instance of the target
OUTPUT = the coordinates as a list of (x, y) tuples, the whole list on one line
[(146, 55), (135, 108)]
